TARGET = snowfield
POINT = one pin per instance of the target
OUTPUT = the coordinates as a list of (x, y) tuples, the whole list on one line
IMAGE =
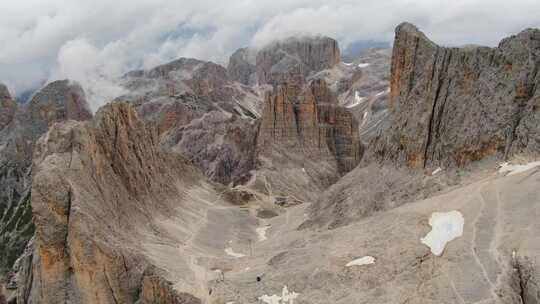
[(230, 252), (261, 232), (446, 226), (286, 297), (436, 171), (516, 169), (367, 260), (357, 100)]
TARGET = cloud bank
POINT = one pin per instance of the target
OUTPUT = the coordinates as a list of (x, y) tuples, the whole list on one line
[(94, 42)]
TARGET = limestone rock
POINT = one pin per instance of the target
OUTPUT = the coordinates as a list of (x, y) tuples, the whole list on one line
[(8, 107), (200, 113), (241, 66), (293, 59), (95, 187), (306, 127), (310, 122), (58, 101), (451, 106)]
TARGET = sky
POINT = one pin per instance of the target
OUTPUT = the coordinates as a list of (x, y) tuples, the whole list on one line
[(94, 42)]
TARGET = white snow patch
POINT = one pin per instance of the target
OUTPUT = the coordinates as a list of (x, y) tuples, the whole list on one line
[(361, 261), (230, 302), (304, 170), (230, 252), (436, 171), (261, 232), (516, 169), (363, 65), (445, 226), (383, 92), (357, 100), (348, 63), (286, 297)]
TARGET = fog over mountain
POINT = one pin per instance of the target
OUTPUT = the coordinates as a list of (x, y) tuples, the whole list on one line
[(95, 41)]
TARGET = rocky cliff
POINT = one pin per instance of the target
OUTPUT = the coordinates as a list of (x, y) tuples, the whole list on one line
[(293, 59), (448, 108), (306, 129), (201, 114), (97, 189), (451, 106), (242, 66), (58, 101), (8, 107), (310, 122)]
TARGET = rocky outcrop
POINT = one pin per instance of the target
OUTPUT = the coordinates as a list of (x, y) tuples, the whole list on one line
[(241, 66), (8, 107), (304, 130), (96, 187), (58, 101), (200, 113), (293, 59), (310, 123), (451, 106)]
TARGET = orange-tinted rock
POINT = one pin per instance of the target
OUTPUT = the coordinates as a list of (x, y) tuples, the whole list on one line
[(309, 121), (8, 107), (452, 106)]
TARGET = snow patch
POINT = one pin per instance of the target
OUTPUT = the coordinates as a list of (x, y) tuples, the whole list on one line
[(286, 297), (261, 232), (363, 65), (230, 252), (436, 171), (357, 100), (445, 227), (348, 63), (361, 261), (516, 169), (383, 92)]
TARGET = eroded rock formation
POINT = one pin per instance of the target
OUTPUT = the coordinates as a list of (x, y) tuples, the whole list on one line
[(242, 66), (58, 101), (311, 123), (200, 113), (293, 59), (451, 106), (97, 187)]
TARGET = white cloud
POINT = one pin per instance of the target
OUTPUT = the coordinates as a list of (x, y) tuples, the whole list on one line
[(38, 36)]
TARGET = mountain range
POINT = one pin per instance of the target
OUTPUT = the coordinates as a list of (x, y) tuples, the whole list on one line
[(293, 175)]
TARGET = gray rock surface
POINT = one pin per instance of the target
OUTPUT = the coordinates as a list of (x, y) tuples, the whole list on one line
[(97, 196), (451, 106), (242, 67), (306, 124), (200, 113), (294, 59), (58, 101)]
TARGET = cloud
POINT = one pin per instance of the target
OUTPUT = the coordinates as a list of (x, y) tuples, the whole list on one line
[(95, 41)]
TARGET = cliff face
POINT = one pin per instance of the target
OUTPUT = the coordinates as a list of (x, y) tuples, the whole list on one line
[(23, 125), (293, 59), (448, 107), (311, 123), (304, 135), (96, 187), (451, 106), (241, 66), (200, 113), (8, 107)]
